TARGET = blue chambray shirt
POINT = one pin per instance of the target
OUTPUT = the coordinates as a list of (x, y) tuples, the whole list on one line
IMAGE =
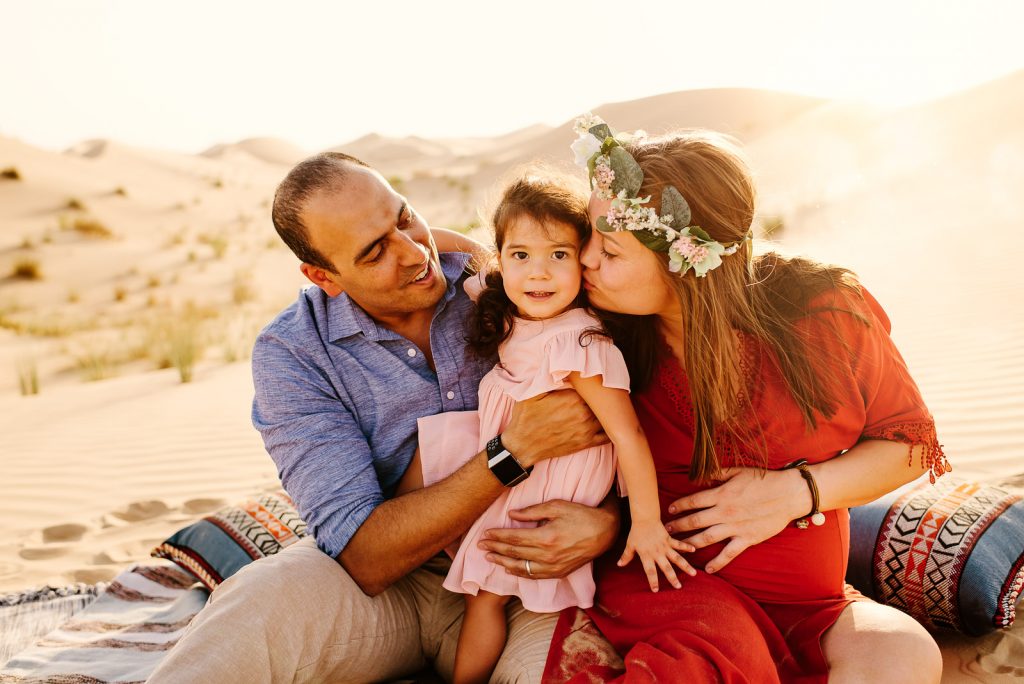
[(337, 398)]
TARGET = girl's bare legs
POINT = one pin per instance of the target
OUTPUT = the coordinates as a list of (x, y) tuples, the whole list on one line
[(482, 639)]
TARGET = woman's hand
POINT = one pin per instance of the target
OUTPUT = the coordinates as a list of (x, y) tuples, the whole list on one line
[(657, 550), (749, 506), (568, 535)]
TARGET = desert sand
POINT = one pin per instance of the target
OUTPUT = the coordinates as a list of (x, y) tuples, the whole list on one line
[(123, 269)]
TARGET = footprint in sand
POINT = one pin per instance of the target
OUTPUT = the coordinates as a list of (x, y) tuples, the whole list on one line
[(202, 505), (42, 552), (68, 532), (9, 569), (141, 510), (93, 575)]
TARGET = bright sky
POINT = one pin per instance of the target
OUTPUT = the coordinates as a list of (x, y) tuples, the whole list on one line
[(191, 73)]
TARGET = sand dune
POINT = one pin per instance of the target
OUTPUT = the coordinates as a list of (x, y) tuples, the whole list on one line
[(270, 150)]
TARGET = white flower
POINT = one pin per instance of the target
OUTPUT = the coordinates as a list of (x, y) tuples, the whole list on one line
[(585, 147), (586, 122)]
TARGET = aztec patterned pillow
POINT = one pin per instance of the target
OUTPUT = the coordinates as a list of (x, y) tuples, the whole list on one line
[(949, 554), (220, 544)]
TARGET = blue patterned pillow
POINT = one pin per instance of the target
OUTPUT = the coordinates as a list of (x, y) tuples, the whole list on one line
[(949, 554), (220, 544)]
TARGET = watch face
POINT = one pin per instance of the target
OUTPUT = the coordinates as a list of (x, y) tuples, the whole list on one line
[(507, 469)]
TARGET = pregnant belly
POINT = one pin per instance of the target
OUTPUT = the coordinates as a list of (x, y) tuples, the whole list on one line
[(794, 565)]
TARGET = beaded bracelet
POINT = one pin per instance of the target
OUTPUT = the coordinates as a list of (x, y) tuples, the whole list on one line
[(815, 516)]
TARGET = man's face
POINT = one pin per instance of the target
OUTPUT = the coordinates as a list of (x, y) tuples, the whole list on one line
[(383, 255)]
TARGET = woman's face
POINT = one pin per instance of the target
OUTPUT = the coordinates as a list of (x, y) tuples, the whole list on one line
[(622, 275)]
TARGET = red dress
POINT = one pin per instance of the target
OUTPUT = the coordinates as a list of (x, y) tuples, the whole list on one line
[(761, 618)]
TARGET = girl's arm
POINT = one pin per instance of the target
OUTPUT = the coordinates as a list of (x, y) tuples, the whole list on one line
[(647, 537)]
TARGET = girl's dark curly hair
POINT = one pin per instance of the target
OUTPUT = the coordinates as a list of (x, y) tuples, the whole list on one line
[(544, 198)]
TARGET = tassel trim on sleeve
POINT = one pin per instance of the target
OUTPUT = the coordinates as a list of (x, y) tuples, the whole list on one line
[(913, 435)]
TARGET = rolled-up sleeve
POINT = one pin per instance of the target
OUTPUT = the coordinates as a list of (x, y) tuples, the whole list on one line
[(322, 455)]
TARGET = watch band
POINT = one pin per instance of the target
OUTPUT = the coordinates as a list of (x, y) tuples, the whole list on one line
[(504, 465)]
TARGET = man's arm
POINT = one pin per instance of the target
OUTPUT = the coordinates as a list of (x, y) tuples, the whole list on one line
[(403, 533)]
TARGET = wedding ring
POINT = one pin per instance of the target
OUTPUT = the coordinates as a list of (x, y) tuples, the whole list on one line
[(528, 570)]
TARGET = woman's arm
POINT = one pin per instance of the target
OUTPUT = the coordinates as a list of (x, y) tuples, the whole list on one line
[(751, 506), (451, 241)]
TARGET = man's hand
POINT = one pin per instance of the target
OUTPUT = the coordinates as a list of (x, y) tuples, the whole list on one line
[(549, 425), (568, 536)]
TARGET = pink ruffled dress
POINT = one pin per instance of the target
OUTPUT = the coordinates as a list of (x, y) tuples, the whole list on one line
[(536, 358)]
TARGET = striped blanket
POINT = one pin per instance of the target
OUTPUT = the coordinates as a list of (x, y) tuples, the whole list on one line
[(120, 637)]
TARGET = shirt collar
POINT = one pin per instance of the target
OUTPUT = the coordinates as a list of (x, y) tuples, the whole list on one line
[(346, 318)]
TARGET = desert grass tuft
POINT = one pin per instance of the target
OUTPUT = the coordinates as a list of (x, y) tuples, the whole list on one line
[(89, 227), (28, 377), (96, 360), (238, 338), (176, 340), (120, 191), (242, 290), (75, 204), (217, 242), (27, 269), (10, 173)]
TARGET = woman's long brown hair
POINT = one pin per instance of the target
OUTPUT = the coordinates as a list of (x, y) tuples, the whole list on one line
[(760, 297)]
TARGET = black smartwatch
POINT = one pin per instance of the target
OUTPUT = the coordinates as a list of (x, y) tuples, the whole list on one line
[(504, 465)]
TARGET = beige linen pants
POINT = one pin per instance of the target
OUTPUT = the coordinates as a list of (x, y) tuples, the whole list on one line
[(297, 616)]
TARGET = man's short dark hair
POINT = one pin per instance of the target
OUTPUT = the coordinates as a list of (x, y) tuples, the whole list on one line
[(327, 169)]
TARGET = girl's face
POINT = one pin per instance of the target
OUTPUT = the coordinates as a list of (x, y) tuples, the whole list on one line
[(620, 274), (540, 266)]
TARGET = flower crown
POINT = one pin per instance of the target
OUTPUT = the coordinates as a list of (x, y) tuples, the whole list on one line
[(615, 175)]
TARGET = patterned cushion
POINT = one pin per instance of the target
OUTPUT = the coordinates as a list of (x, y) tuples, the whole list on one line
[(950, 554), (220, 544)]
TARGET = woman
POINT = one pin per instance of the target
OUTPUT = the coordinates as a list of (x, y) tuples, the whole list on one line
[(773, 400)]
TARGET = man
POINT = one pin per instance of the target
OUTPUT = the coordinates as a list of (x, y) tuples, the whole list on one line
[(341, 377)]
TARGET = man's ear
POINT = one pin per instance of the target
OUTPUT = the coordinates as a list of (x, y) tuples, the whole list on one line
[(321, 279)]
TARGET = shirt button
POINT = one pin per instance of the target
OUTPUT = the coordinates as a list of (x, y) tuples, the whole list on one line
[(451, 395), (411, 352)]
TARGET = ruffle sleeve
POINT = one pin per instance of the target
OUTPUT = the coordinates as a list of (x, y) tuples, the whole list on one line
[(564, 353), (447, 441), (894, 408)]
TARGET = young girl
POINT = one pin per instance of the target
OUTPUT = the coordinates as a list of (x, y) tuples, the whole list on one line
[(530, 311)]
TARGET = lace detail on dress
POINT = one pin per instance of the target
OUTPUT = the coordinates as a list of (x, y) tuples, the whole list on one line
[(672, 378), (916, 434)]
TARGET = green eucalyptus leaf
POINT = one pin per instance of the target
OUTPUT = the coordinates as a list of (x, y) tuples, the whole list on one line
[(672, 202), (602, 225), (699, 232), (601, 131), (628, 175), (653, 241), (591, 163)]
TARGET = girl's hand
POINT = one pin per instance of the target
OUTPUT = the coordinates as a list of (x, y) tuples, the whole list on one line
[(748, 507), (649, 540)]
